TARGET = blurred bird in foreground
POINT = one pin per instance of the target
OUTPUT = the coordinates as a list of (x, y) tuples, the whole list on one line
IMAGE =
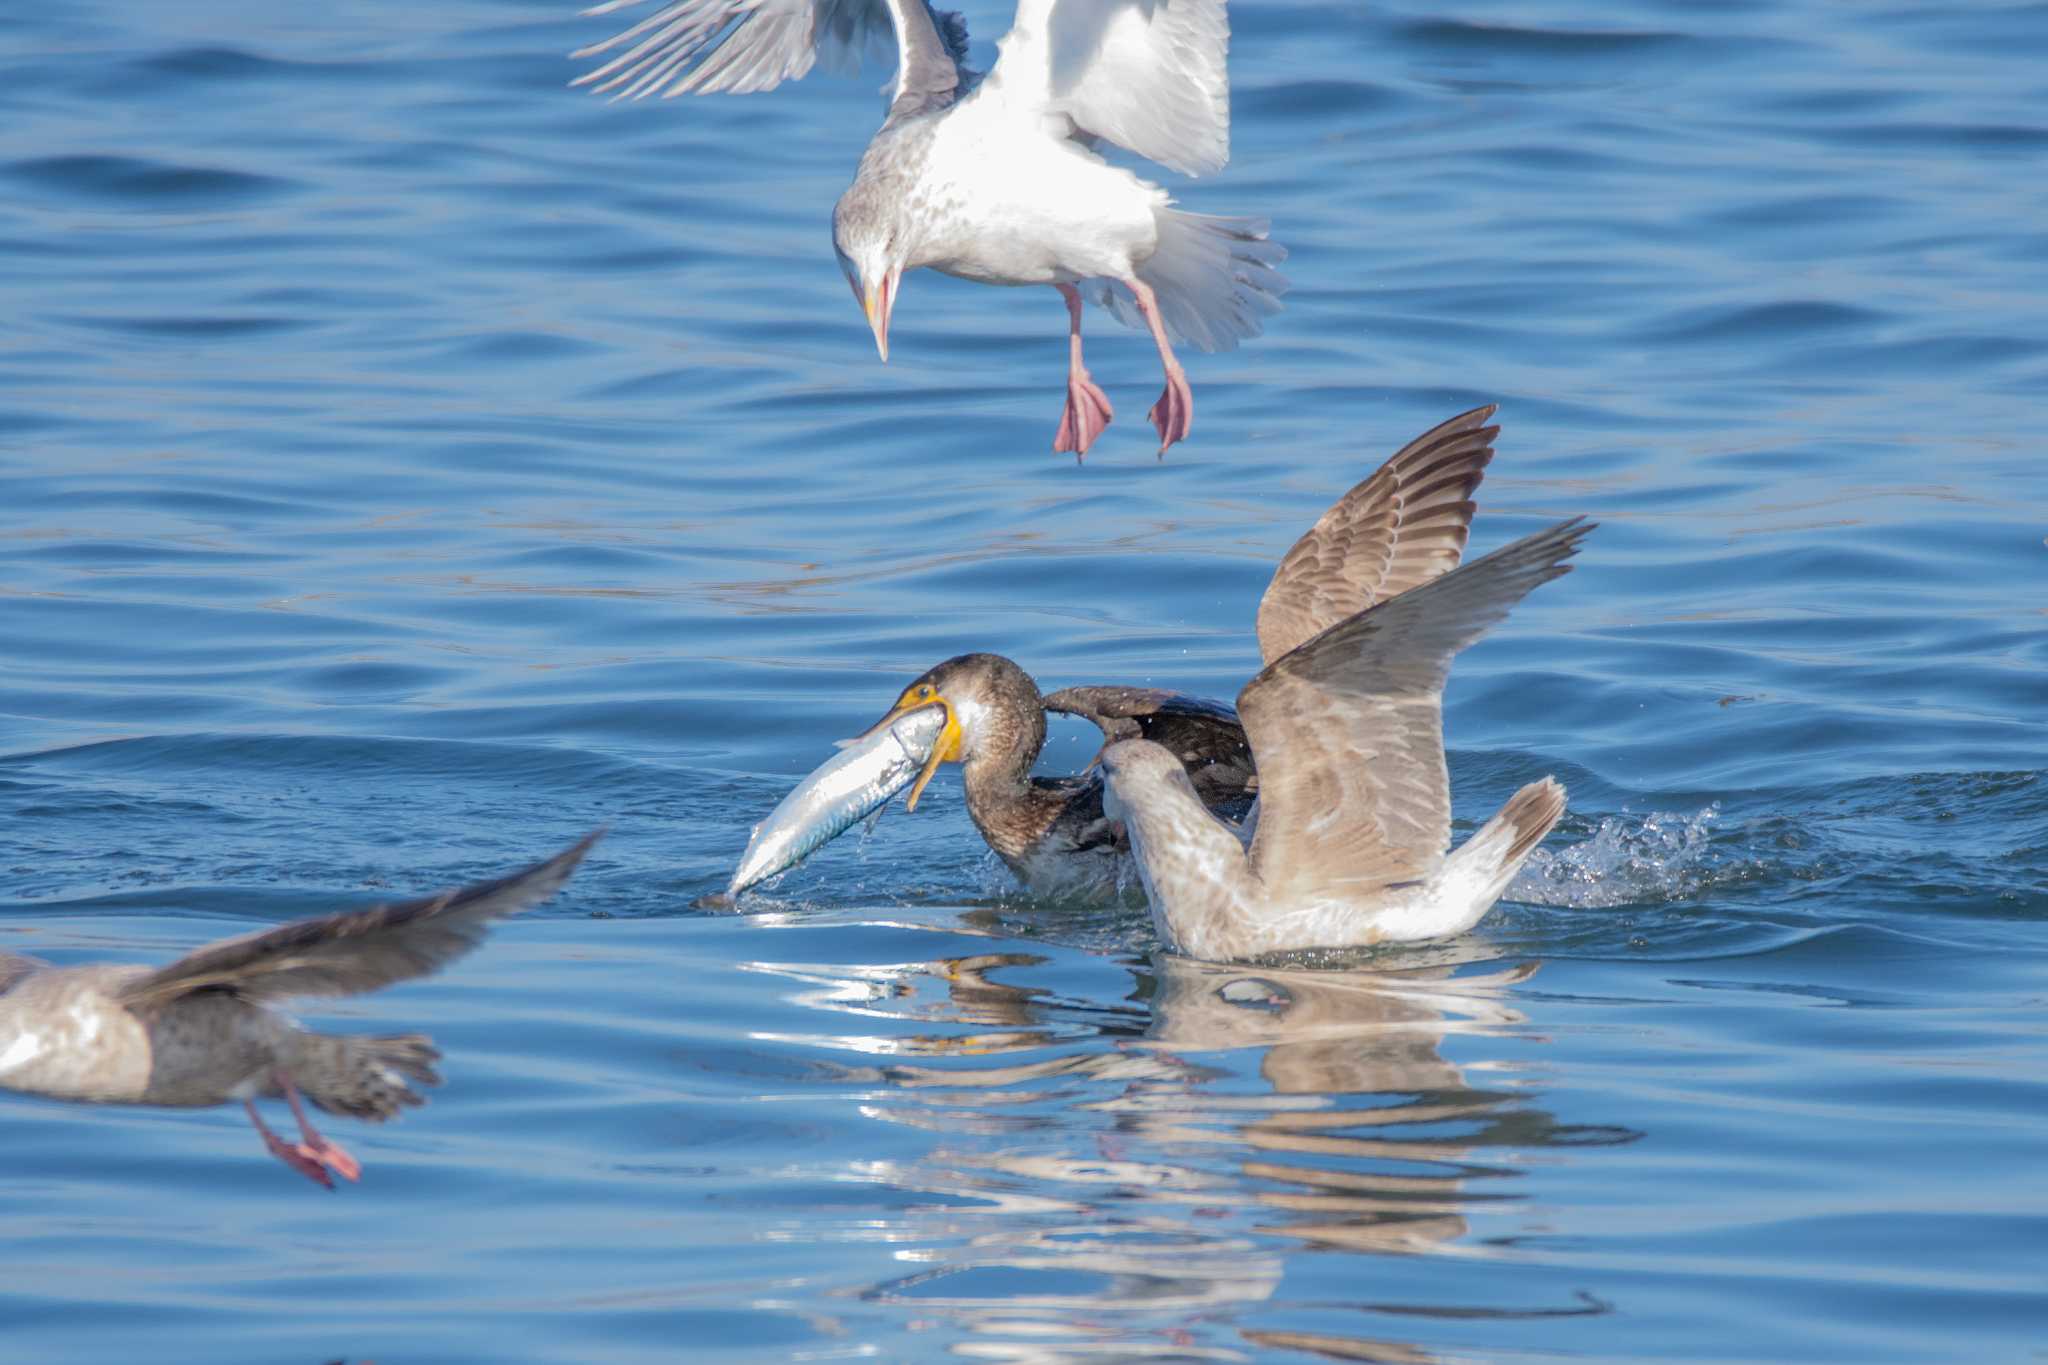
[(205, 1029)]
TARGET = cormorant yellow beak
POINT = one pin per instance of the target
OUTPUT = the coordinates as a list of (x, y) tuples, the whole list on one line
[(945, 749)]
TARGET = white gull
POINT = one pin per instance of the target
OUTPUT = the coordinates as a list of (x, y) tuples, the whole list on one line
[(996, 178)]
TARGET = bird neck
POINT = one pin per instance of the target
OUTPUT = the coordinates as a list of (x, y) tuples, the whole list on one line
[(1000, 792), (1197, 878)]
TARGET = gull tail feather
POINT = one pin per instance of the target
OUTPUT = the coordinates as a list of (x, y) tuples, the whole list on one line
[(1483, 865), (367, 1078), (1216, 279)]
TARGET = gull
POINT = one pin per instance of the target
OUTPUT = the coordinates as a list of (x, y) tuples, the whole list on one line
[(205, 1029), (997, 178), (1353, 826), (1402, 526)]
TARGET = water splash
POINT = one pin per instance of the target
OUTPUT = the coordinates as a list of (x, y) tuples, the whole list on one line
[(1629, 861)]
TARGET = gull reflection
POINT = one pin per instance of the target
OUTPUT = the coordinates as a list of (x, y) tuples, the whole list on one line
[(1362, 1048), (1124, 1177)]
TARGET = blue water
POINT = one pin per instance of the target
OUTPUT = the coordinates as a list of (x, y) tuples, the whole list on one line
[(410, 463)]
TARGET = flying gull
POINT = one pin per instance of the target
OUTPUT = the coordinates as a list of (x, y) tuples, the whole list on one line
[(205, 1029), (1353, 829), (996, 178)]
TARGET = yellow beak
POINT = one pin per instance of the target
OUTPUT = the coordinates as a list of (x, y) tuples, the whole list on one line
[(877, 302), (945, 749)]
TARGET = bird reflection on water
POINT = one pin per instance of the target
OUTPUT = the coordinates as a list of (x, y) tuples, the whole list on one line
[(1132, 1179)]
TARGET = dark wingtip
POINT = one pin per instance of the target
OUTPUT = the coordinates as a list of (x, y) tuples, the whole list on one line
[(565, 862), (534, 884), (952, 27), (1464, 423), (1557, 544), (574, 853), (1574, 531)]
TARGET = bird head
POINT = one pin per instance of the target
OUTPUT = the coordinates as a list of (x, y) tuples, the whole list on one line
[(1131, 767), (991, 706), (873, 262)]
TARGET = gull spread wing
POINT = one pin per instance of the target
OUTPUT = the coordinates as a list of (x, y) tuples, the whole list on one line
[(1145, 74), (703, 47), (1204, 735), (358, 950), (1400, 528), (1348, 729)]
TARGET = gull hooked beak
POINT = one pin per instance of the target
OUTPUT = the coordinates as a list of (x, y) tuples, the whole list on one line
[(945, 749), (878, 300)]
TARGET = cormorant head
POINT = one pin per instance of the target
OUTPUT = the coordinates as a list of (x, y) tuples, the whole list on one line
[(991, 706)]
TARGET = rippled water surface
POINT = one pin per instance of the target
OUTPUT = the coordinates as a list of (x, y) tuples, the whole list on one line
[(410, 463)]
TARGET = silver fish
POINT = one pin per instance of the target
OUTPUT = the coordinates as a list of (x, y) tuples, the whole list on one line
[(859, 780)]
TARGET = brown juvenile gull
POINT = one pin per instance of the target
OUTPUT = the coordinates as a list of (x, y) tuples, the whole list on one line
[(1398, 529), (205, 1029), (1354, 819), (997, 179)]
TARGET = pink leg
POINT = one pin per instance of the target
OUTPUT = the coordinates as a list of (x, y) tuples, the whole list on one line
[(1174, 413), (1087, 411), (313, 1156), (289, 1152), (322, 1150)]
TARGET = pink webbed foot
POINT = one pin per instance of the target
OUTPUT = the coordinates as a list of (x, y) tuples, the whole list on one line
[(299, 1158), (315, 1159), (1086, 414), (316, 1147), (1174, 413), (333, 1157), (313, 1156)]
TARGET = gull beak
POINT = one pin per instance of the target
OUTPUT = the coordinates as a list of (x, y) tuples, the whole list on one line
[(945, 749), (877, 301)]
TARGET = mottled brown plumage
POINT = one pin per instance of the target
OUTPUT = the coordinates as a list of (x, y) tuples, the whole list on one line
[(1353, 721), (1050, 831), (1403, 526), (1355, 809), (203, 1030), (355, 950), (1400, 528), (1204, 735)]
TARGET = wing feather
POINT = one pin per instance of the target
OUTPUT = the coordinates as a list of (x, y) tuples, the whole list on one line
[(357, 950), (1149, 75), (1400, 528), (1347, 729), (1204, 735), (706, 47)]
